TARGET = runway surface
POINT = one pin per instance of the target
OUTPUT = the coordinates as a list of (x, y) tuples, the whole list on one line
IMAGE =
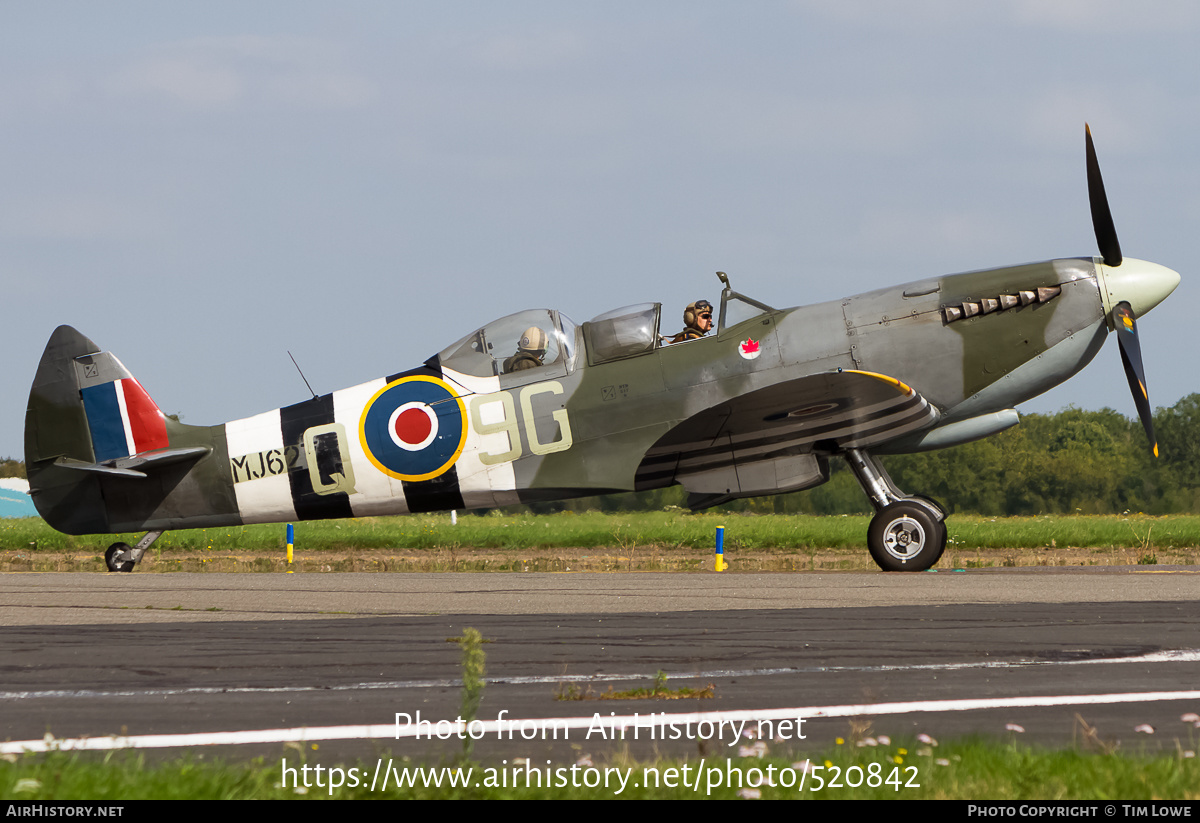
[(1053, 651)]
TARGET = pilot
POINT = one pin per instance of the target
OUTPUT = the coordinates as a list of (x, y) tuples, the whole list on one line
[(697, 321), (531, 350)]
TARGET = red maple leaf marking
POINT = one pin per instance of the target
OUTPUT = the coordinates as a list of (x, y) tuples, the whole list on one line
[(750, 346)]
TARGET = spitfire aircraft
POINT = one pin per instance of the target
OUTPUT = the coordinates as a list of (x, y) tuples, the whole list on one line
[(758, 407)]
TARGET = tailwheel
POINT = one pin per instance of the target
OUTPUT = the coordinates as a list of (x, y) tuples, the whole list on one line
[(115, 558), (905, 536)]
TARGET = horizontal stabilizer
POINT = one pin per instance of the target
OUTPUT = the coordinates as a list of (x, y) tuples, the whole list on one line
[(136, 465)]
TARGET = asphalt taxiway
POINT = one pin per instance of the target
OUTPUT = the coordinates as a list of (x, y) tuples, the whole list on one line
[(1097, 656)]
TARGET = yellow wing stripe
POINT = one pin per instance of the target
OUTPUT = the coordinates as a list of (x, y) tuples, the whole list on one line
[(903, 387)]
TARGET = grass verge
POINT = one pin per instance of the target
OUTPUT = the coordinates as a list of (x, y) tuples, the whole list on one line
[(594, 541), (659, 691), (912, 769)]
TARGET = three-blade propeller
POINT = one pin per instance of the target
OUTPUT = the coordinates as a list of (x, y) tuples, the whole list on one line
[(1123, 319)]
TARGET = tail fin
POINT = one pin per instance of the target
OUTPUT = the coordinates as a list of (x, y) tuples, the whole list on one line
[(88, 419), (56, 429)]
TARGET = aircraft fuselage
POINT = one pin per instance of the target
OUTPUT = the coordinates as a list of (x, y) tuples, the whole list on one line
[(586, 428)]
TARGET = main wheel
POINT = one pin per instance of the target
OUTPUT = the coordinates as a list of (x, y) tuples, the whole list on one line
[(906, 537), (112, 558), (941, 548)]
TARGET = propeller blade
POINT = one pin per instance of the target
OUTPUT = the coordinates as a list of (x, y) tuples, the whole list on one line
[(1131, 358), (1102, 222)]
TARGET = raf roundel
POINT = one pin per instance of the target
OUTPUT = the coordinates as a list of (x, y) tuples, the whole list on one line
[(414, 428)]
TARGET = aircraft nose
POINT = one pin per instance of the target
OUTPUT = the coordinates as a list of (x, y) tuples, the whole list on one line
[(1140, 283)]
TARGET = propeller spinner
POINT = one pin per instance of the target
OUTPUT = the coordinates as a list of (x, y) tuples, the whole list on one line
[(1132, 289)]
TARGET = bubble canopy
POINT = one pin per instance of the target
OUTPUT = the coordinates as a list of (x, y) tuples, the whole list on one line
[(484, 352)]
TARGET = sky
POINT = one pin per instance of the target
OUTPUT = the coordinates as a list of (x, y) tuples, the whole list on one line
[(202, 187)]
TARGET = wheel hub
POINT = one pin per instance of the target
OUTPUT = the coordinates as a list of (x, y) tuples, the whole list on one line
[(903, 538)]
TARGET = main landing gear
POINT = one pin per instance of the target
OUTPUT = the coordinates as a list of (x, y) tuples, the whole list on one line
[(908, 532), (120, 557)]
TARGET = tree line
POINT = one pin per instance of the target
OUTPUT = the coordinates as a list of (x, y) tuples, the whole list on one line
[(1073, 461)]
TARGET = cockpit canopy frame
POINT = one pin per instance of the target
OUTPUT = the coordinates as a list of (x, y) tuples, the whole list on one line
[(486, 351), (622, 333)]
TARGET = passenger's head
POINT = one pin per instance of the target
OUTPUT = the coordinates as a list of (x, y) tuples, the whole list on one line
[(534, 341)]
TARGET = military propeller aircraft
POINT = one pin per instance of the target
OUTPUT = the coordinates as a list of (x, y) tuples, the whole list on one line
[(610, 405)]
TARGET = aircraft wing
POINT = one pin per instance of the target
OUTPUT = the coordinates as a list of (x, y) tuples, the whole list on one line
[(776, 438)]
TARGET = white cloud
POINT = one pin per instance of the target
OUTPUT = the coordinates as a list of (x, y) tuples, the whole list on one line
[(528, 51), (220, 72), (185, 80)]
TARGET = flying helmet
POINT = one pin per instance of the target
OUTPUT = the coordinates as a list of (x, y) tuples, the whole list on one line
[(533, 340), (694, 311)]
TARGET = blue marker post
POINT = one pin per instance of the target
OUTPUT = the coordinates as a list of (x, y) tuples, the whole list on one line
[(291, 538), (720, 560)]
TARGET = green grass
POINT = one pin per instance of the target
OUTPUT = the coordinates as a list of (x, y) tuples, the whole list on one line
[(664, 530), (965, 770), (659, 691), (672, 540)]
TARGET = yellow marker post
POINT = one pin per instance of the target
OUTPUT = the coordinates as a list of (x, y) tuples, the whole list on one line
[(291, 535), (719, 565)]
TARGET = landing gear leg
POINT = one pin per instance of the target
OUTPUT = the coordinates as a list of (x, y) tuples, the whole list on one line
[(120, 557), (908, 532)]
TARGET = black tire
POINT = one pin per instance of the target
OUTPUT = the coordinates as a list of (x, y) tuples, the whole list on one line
[(942, 545), (905, 537), (114, 563), (945, 531)]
